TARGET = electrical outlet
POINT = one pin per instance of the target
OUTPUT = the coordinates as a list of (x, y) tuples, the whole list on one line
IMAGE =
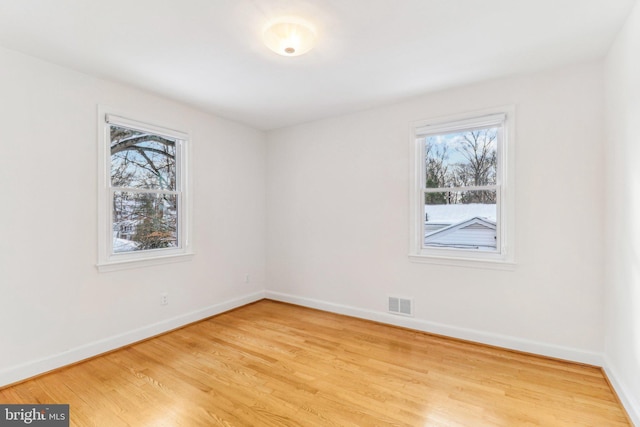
[(164, 298)]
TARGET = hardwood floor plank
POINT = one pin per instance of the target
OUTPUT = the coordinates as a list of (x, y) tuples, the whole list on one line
[(275, 364)]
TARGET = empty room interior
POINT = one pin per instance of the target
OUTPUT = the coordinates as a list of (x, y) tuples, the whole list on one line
[(321, 212)]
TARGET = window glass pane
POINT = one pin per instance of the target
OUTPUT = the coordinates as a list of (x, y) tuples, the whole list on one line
[(463, 220), (142, 160), (144, 221), (461, 159)]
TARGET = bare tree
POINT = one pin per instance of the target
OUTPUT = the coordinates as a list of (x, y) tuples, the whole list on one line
[(437, 167), (478, 147), (437, 172)]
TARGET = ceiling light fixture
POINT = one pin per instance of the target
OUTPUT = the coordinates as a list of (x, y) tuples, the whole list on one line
[(289, 36)]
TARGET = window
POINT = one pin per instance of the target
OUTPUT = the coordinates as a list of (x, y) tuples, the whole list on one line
[(462, 189), (143, 205)]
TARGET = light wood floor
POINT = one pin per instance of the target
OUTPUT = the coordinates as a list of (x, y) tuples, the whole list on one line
[(273, 364)]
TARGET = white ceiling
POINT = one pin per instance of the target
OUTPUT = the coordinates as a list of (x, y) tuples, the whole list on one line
[(208, 53)]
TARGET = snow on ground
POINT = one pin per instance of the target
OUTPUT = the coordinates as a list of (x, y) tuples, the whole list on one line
[(122, 245), (451, 214)]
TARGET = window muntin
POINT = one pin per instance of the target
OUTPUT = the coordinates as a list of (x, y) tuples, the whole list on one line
[(142, 208), (459, 203)]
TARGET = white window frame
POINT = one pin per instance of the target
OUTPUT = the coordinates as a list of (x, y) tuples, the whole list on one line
[(503, 257), (107, 259)]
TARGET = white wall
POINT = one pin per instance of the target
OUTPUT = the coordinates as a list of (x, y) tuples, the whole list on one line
[(54, 305), (337, 206), (622, 279)]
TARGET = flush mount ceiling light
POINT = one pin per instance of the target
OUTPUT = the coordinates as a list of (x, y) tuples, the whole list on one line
[(289, 37)]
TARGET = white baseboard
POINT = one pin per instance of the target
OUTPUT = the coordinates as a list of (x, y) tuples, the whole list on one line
[(36, 367), (630, 401), (504, 341)]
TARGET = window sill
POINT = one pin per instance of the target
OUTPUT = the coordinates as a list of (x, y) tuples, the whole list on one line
[(144, 262), (488, 264)]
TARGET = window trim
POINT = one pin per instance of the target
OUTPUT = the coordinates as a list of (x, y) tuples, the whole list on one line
[(107, 260), (505, 257)]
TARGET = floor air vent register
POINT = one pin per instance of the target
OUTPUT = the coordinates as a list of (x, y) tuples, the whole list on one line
[(401, 306)]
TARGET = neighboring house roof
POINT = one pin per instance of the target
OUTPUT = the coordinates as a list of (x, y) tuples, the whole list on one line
[(476, 233)]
